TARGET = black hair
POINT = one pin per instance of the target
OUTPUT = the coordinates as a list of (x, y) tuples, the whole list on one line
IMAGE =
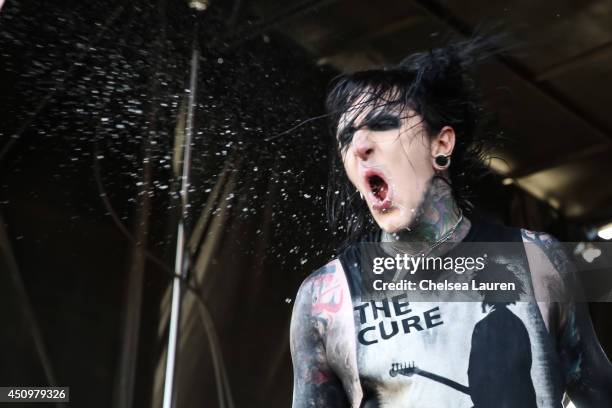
[(438, 86), (495, 273)]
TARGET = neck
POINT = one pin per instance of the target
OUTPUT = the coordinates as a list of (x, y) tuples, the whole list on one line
[(438, 218)]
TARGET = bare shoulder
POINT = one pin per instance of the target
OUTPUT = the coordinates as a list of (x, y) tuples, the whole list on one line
[(547, 252), (323, 295), (543, 239)]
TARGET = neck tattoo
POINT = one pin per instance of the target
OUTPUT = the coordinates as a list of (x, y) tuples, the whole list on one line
[(438, 220)]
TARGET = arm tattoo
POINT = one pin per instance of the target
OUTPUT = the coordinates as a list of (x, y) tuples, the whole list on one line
[(571, 347), (317, 304), (552, 248), (327, 296)]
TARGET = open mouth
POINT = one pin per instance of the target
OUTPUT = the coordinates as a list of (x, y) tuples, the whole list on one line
[(379, 187), (380, 192)]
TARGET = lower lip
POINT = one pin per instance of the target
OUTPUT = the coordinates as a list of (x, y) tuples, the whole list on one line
[(381, 205)]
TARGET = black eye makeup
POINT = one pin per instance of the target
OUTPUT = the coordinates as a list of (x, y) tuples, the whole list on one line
[(382, 122), (376, 122), (346, 135)]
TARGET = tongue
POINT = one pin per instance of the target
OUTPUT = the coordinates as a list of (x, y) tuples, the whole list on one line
[(381, 193)]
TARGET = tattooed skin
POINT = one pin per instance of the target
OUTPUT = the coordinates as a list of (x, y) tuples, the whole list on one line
[(322, 327), (323, 342), (437, 215), (588, 372), (552, 249)]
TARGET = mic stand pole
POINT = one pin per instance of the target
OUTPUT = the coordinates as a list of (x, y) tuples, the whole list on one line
[(181, 263)]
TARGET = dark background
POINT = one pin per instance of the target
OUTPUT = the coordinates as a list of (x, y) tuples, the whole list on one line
[(91, 97)]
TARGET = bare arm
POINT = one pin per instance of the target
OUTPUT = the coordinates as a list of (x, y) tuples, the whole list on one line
[(588, 371), (316, 306)]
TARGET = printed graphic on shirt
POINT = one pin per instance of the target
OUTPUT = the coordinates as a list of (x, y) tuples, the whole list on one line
[(491, 353)]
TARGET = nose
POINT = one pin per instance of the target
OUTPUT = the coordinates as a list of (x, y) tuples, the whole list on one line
[(362, 146)]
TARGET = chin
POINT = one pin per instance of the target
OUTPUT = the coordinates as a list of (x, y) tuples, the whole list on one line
[(392, 221)]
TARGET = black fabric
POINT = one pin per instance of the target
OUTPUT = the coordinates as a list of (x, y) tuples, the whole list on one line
[(500, 362)]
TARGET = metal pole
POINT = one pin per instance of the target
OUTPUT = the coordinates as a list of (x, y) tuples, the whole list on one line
[(180, 264)]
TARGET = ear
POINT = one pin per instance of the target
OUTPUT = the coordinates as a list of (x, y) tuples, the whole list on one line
[(444, 142)]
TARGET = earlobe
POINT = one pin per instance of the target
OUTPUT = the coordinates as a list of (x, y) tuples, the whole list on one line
[(441, 162)]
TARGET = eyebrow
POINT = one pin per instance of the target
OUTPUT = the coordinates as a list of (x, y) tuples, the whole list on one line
[(373, 115), (381, 112)]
